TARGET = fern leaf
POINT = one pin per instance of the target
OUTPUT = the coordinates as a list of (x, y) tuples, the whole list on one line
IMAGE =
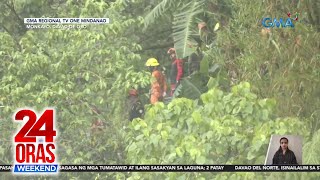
[(177, 91), (204, 64), (182, 27), (193, 87), (187, 89), (157, 11)]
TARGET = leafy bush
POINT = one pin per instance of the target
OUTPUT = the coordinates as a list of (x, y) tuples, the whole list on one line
[(227, 128)]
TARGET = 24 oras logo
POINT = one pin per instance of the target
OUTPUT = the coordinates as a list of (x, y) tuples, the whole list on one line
[(268, 22), (32, 154)]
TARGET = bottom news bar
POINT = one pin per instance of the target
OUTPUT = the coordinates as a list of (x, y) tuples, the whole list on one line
[(160, 168)]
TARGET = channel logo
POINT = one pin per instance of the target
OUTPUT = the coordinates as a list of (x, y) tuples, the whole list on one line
[(34, 142)]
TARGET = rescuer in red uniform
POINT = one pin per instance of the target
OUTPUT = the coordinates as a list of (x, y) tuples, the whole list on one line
[(176, 70)]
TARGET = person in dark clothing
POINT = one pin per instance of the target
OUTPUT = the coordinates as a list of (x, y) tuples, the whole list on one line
[(194, 61), (136, 108), (176, 70), (284, 155)]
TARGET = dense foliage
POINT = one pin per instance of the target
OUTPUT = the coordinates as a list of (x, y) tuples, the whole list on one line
[(252, 83), (216, 131)]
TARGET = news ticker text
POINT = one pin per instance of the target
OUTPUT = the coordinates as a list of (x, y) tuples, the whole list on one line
[(162, 168)]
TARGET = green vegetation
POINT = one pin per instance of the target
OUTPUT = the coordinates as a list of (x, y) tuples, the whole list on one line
[(252, 83)]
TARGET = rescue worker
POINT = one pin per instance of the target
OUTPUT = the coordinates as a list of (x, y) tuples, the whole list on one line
[(97, 126), (194, 61), (176, 70), (158, 85), (136, 107), (206, 36)]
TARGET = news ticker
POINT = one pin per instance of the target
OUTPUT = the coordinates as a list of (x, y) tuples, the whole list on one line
[(34, 168)]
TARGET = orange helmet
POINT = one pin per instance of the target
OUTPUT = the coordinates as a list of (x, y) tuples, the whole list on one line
[(171, 50), (133, 92)]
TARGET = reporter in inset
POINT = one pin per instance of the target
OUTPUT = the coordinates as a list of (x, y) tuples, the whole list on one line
[(284, 155)]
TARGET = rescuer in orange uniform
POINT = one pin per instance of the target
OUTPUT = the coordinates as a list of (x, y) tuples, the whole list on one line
[(158, 85)]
